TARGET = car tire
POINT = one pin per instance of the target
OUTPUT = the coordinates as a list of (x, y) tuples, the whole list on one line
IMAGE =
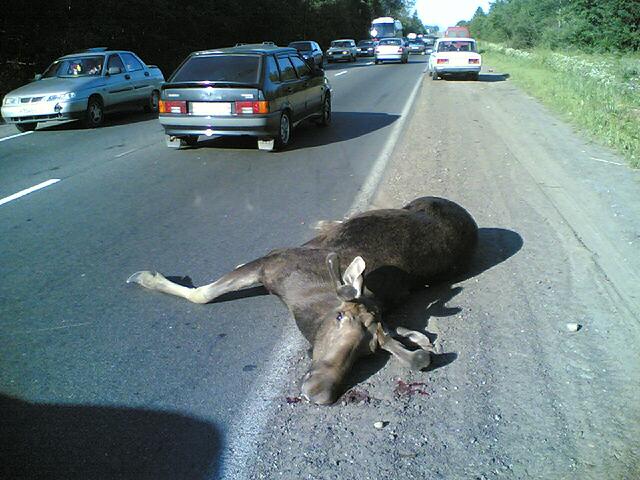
[(283, 138), (377, 62), (26, 127), (151, 106), (325, 119), (474, 77), (94, 115), (434, 75)]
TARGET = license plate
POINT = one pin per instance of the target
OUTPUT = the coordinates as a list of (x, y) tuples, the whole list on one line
[(210, 108)]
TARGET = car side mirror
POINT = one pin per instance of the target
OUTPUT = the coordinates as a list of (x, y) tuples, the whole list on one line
[(37, 76), (114, 71)]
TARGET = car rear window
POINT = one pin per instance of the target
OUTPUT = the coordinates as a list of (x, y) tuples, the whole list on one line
[(454, 46), (219, 68), (390, 41), (341, 44), (365, 43)]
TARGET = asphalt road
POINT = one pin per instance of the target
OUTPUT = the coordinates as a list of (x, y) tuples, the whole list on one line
[(106, 377)]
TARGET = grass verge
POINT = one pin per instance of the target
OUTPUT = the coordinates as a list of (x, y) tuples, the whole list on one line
[(602, 97)]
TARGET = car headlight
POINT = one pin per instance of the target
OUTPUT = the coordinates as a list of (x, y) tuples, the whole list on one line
[(10, 100), (61, 97)]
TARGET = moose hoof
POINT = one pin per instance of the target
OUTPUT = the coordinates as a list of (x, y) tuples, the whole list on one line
[(146, 279)]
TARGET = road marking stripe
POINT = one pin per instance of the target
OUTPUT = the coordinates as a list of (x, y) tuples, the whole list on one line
[(29, 190), (607, 161), (255, 413), (126, 153), (340, 73), (14, 136)]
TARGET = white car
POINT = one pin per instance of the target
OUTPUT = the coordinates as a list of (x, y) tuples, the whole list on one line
[(392, 49), (455, 56), (84, 86), (344, 49)]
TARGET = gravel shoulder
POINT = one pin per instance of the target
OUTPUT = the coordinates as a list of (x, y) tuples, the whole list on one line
[(514, 393)]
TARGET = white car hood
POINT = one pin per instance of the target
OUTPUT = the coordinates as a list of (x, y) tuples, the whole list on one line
[(49, 86)]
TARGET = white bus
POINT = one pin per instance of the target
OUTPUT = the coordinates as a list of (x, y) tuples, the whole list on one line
[(385, 27)]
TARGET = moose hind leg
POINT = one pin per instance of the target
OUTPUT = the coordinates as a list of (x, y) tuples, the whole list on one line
[(245, 276)]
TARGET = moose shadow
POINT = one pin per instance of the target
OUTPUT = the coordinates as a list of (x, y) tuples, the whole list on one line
[(49, 441), (495, 245)]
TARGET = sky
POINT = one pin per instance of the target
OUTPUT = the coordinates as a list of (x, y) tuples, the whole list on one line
[(446, 13)]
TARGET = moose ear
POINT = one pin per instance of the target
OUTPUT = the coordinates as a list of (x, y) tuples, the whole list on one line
[(353, 275)]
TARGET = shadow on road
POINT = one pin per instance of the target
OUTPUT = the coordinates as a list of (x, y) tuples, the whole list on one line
[(345, 126), (483, 77), (111, 119), (47, 441), (495, 245)]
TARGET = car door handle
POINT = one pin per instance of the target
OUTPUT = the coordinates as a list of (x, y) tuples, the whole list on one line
[(127, 76)]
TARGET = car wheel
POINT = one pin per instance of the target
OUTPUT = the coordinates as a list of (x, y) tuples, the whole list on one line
[(434, 75), (152, 103), (283, 137), (26, 127), (325, 119), (94, 116), (376, 61), (474, 77)]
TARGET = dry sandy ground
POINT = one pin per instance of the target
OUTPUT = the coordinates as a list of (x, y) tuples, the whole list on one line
[(514, 394)]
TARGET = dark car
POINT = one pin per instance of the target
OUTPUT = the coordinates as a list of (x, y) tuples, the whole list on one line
[(259, 90), (309, 50), (366, 48)]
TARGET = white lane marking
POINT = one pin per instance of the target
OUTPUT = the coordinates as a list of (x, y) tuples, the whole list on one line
[(29, 190), (340, 73), (14, 136), (372, 181), (126, 153), (607, 161), (256, 412)]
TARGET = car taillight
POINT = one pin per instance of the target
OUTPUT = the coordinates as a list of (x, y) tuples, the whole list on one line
[(474, 61), (250, 107), (172, 106), (443, 60)]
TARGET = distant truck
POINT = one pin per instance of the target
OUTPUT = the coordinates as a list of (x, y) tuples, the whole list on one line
[(457, 32)]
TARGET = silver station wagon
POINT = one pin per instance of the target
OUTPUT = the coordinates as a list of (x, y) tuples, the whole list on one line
[(83, 86), (258, 90)]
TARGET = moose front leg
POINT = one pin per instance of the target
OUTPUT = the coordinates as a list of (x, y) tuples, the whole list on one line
[(245, 276)]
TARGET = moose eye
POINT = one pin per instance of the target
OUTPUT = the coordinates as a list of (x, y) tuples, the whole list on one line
[(339, 316)]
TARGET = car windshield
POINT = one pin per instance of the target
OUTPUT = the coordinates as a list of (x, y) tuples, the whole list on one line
[(365, 43), (341, 44), (75, 67), (219, 68), (390, 41), (454, 46), (301, 46)]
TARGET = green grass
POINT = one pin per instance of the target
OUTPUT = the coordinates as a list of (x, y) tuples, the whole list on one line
[(600, 96)]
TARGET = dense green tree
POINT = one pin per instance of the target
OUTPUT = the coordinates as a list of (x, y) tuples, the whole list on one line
[(602, 25), (163, 32)]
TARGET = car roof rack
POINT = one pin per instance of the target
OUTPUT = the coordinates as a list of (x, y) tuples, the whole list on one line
[(96, 49)]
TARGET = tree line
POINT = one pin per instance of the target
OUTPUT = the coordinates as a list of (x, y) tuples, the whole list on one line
[(588, 25), (163, 32)]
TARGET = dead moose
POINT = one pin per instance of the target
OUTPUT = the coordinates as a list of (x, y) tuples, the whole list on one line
[(383, 254)]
